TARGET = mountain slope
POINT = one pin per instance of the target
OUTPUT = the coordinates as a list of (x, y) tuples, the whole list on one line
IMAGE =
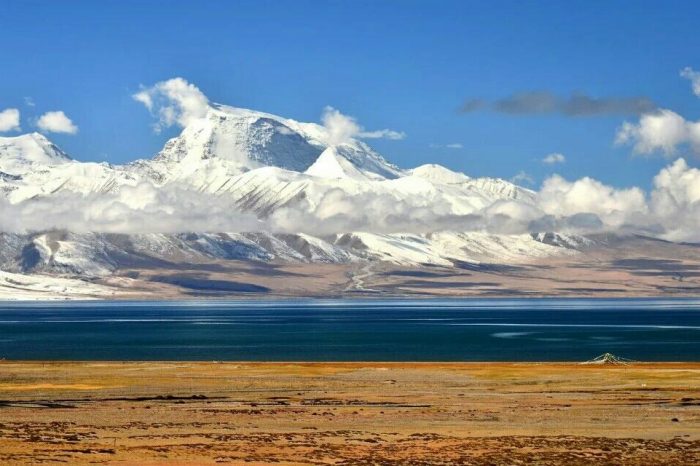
[(99, 255)]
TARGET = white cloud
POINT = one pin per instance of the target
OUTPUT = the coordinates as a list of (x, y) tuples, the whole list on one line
[(454, 145), (383, 134), (514, 209), (56, 122), (29, 102), (615, 207), (662, 131), (522, 178), (675, 201), (173, 102), (680, 183), (9, 120), (342, 128), (553, 158), (694, 77)]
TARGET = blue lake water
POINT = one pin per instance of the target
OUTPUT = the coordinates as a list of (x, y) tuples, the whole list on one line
[(353, 330)]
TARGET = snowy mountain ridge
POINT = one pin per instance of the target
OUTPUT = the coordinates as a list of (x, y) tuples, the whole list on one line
[(273, 168)]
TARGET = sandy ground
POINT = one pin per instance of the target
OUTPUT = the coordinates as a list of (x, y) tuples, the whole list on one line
[(348, 413)]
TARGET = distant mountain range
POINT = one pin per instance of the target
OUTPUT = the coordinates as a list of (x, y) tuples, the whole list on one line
[(315, 200)]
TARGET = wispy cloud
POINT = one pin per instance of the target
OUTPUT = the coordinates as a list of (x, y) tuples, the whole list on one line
[(694, 77), (9, 120), (575, 105), (382, 134), (453, 145), (522, 178), (342, 128), (56, 122), (472, 105), (554, 158)]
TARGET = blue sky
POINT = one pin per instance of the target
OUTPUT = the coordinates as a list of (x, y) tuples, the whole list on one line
[(405, 65)]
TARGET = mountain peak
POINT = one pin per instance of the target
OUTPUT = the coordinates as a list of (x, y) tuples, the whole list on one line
[(18, 152), (330, 164), (439, 174), (245, 138), (248, 139)]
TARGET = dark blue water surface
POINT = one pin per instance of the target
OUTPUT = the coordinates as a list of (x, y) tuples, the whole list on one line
[(425, 330)]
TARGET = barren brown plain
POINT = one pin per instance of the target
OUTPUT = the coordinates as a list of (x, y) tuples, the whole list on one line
[(348, 413)]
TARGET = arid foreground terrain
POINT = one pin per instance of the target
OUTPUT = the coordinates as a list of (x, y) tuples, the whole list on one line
[(354, 413)]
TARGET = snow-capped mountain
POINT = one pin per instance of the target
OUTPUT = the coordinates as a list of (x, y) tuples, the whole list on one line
[(239, 140), (19, 154), (32, 166), (260, 164)]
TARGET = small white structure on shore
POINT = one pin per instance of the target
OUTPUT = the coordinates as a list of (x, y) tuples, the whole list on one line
[(608, 358)]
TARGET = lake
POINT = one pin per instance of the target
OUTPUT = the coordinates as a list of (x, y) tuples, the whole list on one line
[(353, 330)]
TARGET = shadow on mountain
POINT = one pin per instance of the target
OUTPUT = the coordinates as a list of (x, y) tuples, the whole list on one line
[(417, 274), (658, 267), (448, 285), (489, 268), (206, 285)]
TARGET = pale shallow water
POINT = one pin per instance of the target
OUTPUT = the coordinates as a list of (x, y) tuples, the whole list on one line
[(354, 330)]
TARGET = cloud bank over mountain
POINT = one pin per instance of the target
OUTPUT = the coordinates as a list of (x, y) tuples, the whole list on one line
[(142, 208), (671, 211)]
